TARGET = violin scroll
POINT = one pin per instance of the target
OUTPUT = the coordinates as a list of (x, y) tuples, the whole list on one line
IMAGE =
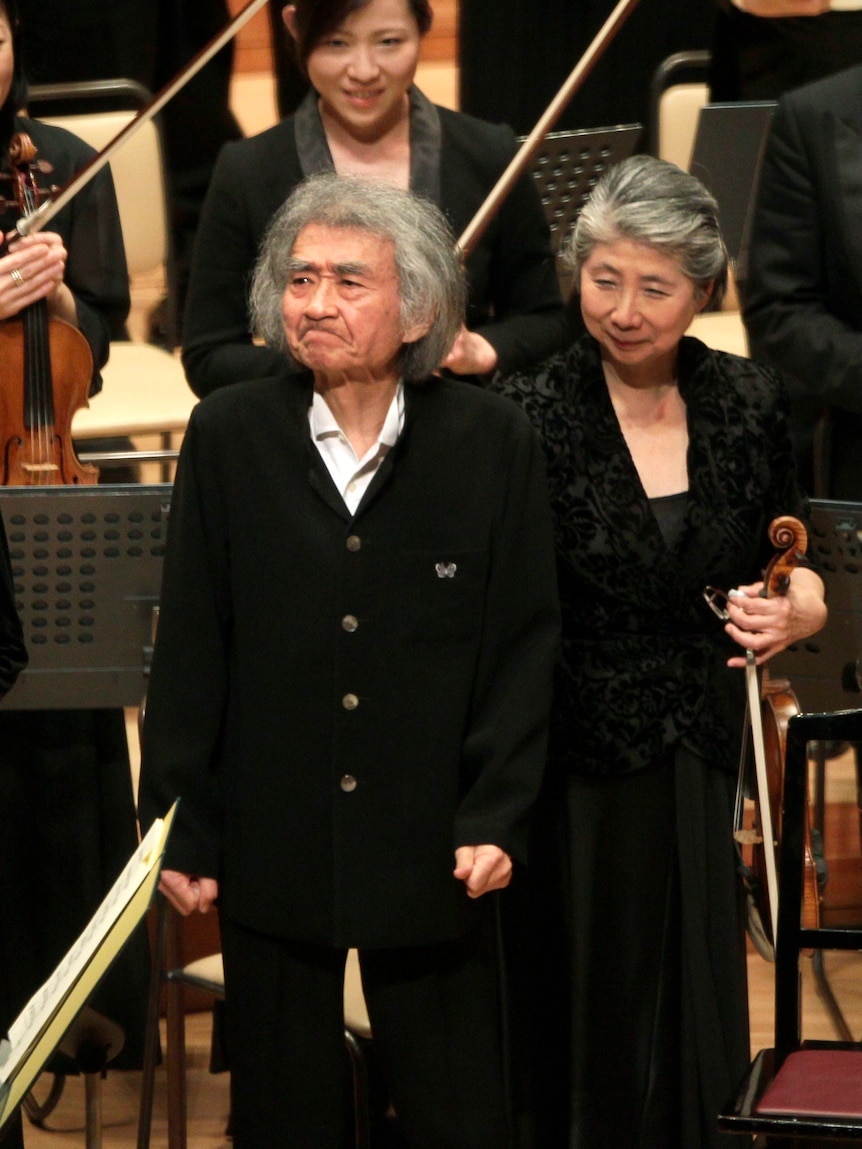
[(22, 150), (790, 538)]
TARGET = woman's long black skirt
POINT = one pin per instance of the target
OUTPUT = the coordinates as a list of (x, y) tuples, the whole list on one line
[(659, 992)]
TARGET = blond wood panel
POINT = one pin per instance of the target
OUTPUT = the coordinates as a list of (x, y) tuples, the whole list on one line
[(252, 47)]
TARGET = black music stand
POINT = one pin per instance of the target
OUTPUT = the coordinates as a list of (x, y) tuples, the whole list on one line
[(567, 167), (86, 567), (728, 147)]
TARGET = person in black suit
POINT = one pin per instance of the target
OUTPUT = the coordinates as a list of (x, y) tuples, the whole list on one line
[(352, 676), (366, 116), (763, 48), (803, 299), (667, 461)]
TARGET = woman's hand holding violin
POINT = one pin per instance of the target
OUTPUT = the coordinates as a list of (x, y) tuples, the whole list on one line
[(769, 625), (33, 269)]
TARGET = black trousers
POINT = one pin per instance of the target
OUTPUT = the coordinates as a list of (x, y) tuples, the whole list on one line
[(434, 1011)]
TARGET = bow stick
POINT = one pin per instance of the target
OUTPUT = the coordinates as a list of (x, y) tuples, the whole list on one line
[(474, 229), (37, 219), (767, 830)]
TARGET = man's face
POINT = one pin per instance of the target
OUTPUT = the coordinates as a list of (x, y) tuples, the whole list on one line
[(341, 307)]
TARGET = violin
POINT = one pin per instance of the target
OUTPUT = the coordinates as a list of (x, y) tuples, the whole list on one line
[(47, 366), (776, 705)]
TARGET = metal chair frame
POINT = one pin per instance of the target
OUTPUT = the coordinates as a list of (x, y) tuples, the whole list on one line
[(742, 1115), (170, 971)]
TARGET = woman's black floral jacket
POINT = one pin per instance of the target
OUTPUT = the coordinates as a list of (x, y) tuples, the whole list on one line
[(643, 657)]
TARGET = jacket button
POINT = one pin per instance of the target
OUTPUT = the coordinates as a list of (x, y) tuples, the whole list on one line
[(354, 542), (350, 702), (350, 623), (348, 783)]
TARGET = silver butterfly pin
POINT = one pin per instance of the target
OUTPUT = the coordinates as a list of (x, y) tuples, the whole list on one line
[(446, 570)]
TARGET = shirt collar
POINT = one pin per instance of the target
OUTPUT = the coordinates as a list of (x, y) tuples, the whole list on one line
[(324, 424)]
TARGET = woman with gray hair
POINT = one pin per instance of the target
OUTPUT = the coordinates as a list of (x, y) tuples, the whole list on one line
[(667, 462)]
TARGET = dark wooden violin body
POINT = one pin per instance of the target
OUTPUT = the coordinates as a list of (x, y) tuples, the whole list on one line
[(46, 366), (780, 704), (777, 706)]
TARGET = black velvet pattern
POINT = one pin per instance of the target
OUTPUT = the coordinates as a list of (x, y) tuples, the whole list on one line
[(643, 657)]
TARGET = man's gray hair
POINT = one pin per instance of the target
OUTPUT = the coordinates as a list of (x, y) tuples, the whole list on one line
[(653, 202), (430, 278)]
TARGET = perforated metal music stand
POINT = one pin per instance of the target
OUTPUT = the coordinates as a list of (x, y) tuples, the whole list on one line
[(566, 169), (86, 567)]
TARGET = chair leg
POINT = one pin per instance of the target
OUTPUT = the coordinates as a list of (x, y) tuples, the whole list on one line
[(828, 998), (93, 1104), (167, 955), (151, 1033), (175, 1044), (361, 1115), (38, 1113)]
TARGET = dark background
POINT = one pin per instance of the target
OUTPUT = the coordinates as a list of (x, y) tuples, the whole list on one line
[(516, 54)]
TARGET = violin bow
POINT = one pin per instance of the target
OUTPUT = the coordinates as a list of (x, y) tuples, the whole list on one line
[(767, 830), (473, 231), (37, 219), (789, 534)]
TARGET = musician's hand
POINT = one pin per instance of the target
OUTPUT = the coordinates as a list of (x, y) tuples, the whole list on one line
[(778, 8), (471, 354), (188, 893), (769, 625), (482, 868), (33, 269)]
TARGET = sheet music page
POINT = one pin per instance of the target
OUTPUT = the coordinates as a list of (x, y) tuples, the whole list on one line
[(33, 1019)]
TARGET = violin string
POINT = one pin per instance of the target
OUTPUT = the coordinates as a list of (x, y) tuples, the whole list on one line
[(30, 365), (38, 373), (40, 338)]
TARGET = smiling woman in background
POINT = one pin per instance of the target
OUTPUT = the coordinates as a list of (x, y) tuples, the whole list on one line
[(366, 117), (667, 461)]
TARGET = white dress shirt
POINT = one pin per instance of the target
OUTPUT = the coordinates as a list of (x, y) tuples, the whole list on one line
[(351, 474)]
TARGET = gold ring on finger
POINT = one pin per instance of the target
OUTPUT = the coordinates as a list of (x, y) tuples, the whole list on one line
[(16, 277)]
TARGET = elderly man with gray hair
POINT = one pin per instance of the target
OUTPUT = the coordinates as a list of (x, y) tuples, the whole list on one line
[(352, 676)]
